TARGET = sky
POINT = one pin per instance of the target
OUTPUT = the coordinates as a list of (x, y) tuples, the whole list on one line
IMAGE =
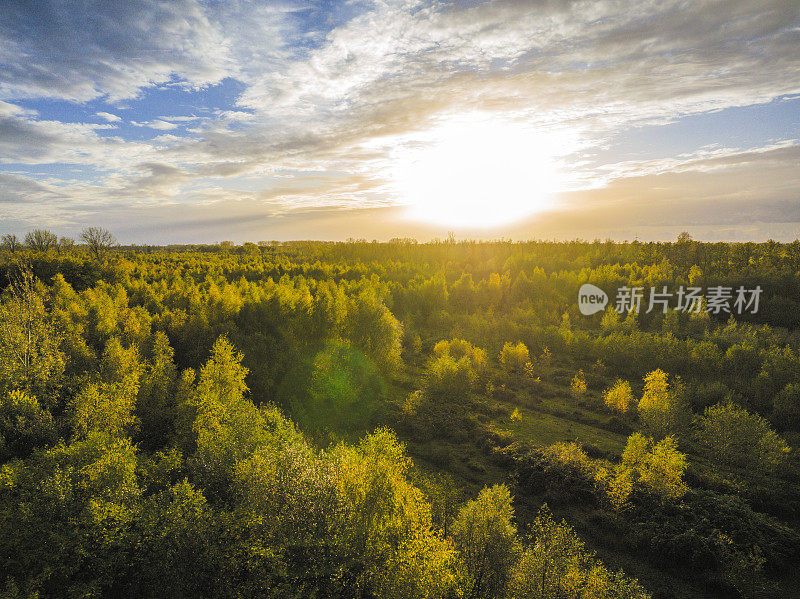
[(194, 121)]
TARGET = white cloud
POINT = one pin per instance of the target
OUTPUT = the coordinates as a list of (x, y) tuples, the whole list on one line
[(111, 118)]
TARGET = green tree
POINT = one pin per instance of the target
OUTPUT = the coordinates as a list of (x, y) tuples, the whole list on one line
[(374, 330), (179, 549), (734, 436), (786, 408), (338, 390), (155, 402), (65, 512)]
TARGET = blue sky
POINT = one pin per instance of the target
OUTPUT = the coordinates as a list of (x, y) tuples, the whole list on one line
[(201, 121)]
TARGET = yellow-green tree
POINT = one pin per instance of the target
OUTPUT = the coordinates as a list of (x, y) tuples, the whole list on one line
[(620, 397), (485, 538), (227, 427), (373, 329), (514, 357), (658, 466), (662, 409), (578, 385), (456, 369), (557, 564), (30, 355), (386, 525), (64, 512), (24, 425), (107, 404)]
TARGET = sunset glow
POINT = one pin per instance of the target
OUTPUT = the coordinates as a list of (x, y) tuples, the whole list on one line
[(479, 171)]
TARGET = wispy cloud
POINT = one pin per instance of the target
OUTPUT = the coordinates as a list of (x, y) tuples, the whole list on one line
[(111, 118)]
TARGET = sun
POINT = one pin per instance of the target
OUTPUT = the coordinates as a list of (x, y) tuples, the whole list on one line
[(478, 171)]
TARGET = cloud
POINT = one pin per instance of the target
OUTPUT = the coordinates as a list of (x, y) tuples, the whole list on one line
[(85, 49), (24, 138), (111, 118), (24, 190), (158, 124), (330, 98)]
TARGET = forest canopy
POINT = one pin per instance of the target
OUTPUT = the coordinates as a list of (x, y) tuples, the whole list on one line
[(315, 419)]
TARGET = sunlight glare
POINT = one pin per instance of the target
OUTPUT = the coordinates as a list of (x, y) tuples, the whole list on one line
[(479, 171)]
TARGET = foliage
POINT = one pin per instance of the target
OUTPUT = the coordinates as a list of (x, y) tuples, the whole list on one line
[(662, 409), (732, 435), (559, 565), (486, 540), (338, 390), (658, 466), (620, 397), (143, 455), (514, 357), (108, 405), (577, 386), (30, 355), (24, 425), (456, 369)]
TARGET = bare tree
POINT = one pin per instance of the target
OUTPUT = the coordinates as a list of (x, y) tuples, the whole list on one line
[(10, 242), (41, 240), (99, 241), (66, 243)]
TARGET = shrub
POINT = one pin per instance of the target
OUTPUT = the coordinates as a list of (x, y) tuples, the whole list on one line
[(578, 385)]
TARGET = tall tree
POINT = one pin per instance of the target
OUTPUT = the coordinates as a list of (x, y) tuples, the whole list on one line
[(485, 538), (30, 357), (10, 242), (662, 408), (40, 240), (99, 241)]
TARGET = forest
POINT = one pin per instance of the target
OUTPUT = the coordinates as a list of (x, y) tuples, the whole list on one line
[(392, 420)]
